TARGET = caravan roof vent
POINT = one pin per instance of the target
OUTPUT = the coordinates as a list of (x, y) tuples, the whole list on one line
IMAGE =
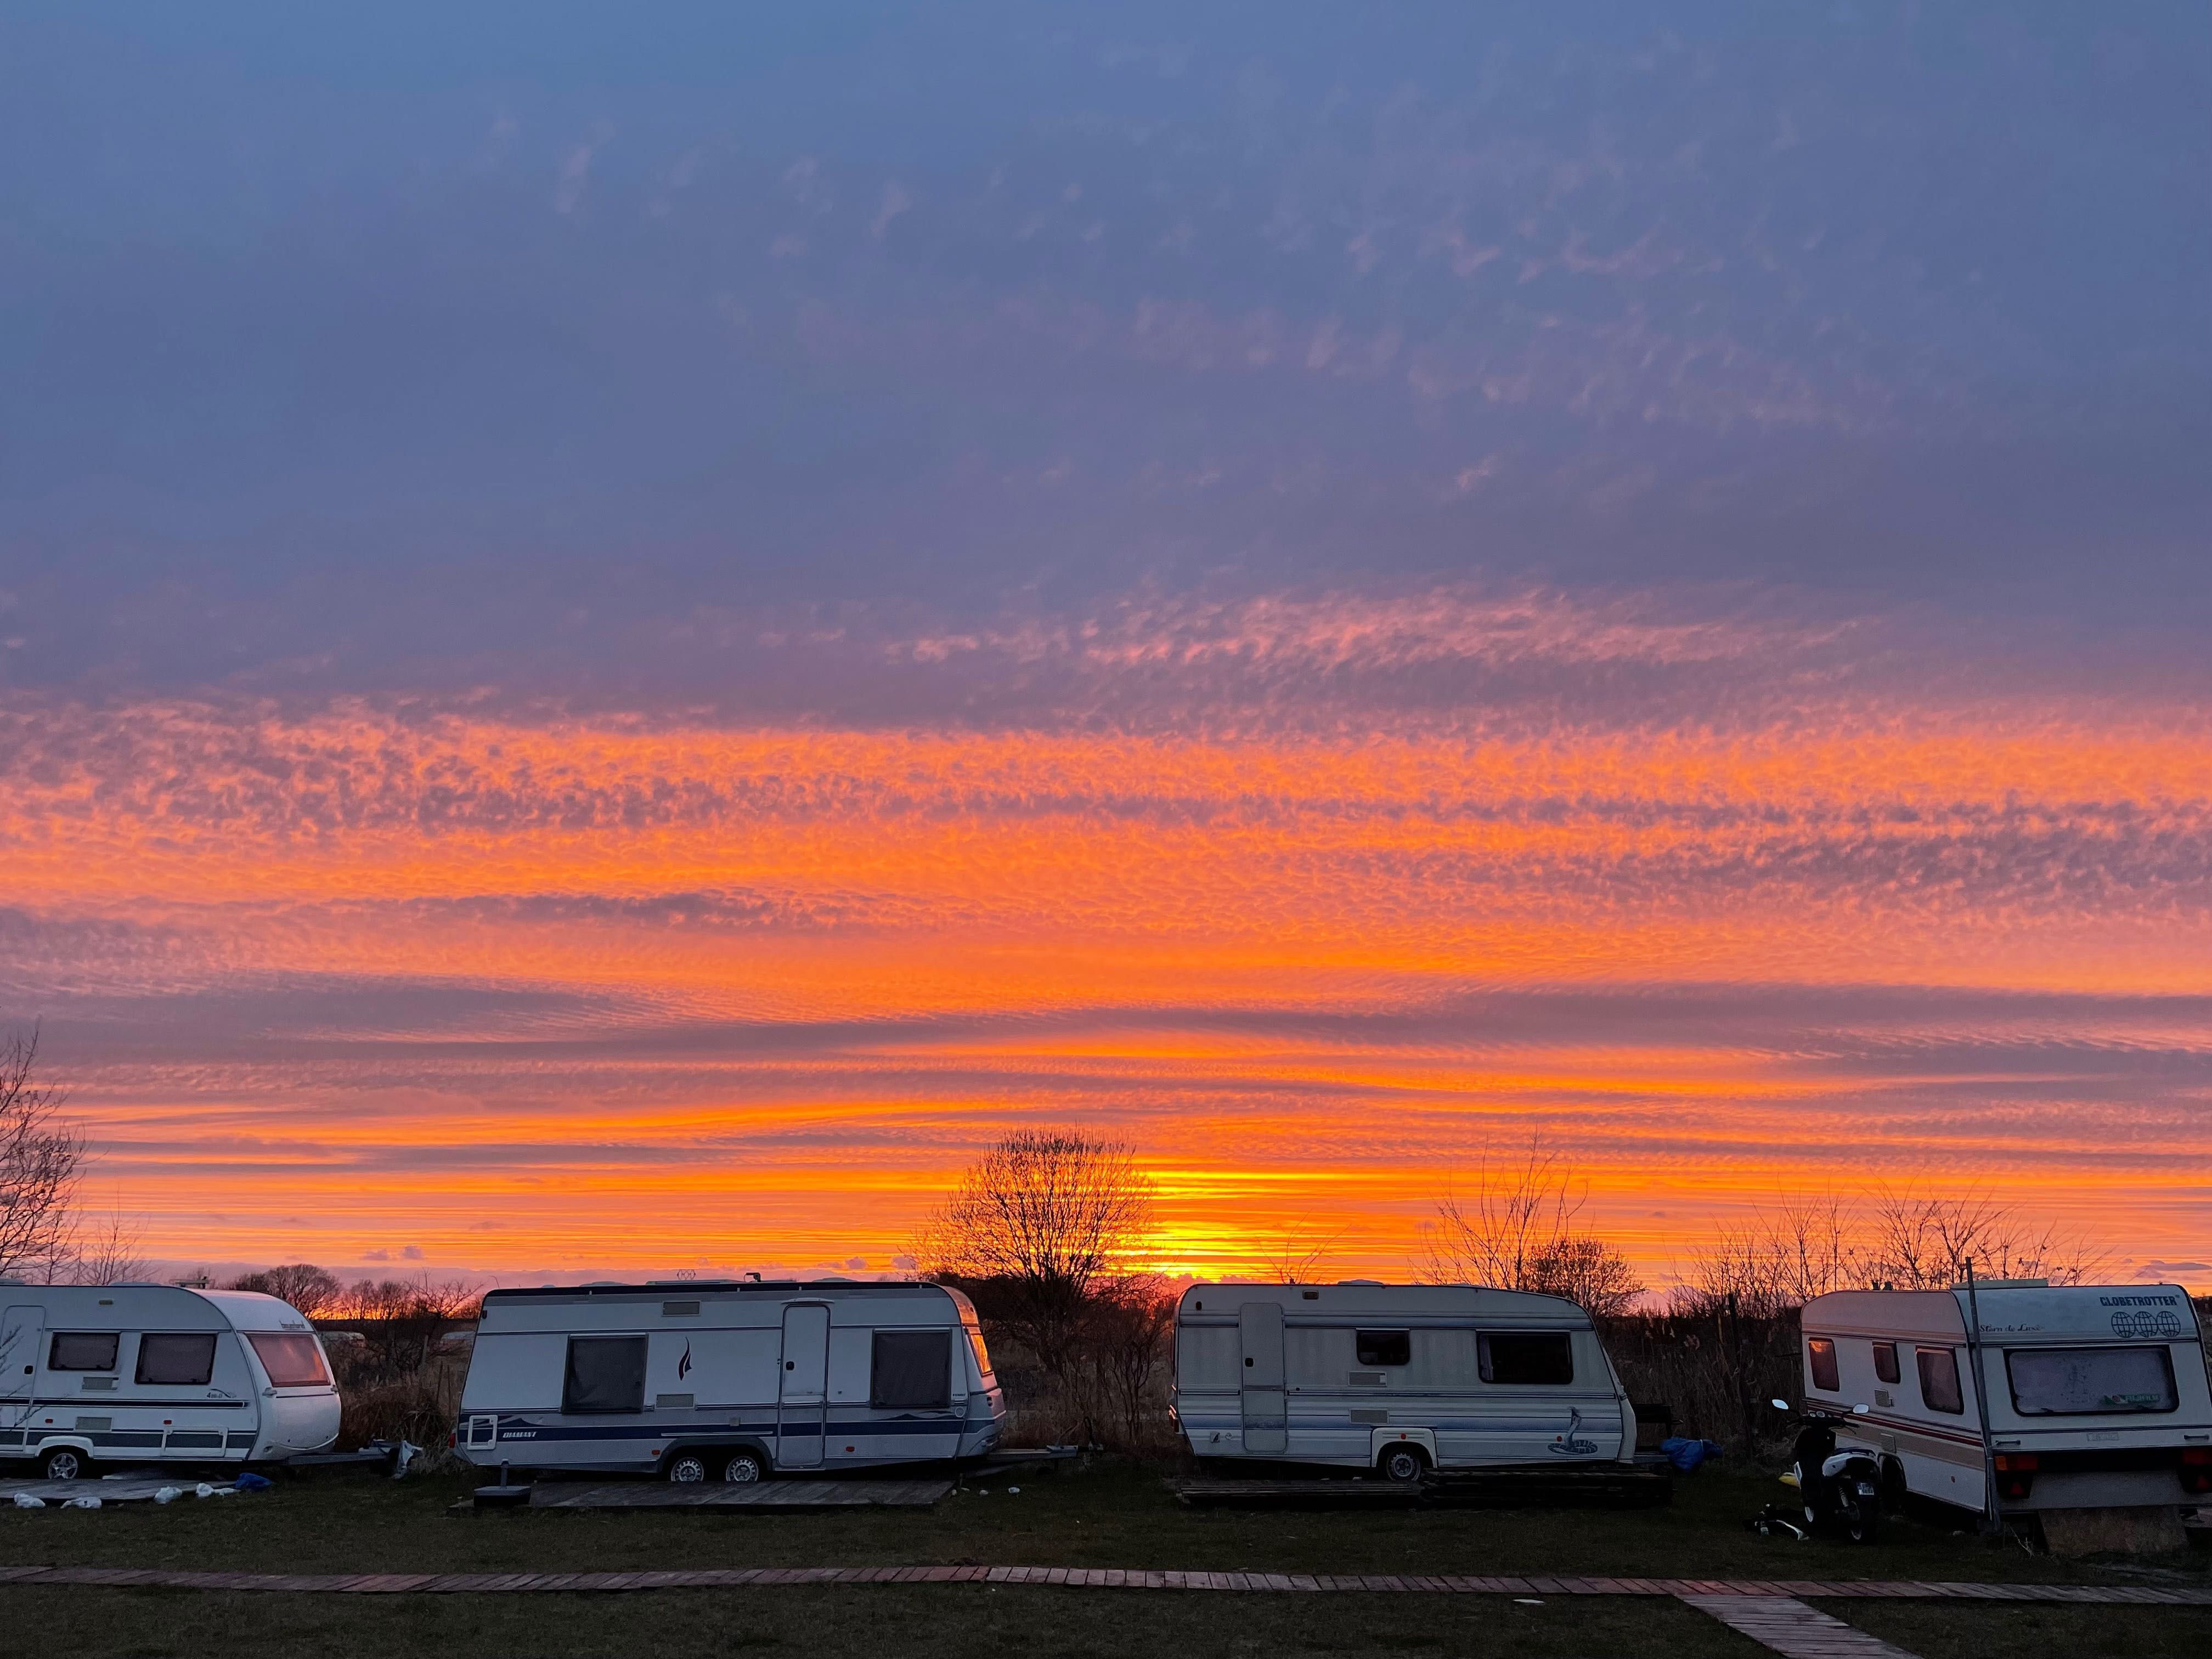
[(1377, 1283), (2006, 1285)]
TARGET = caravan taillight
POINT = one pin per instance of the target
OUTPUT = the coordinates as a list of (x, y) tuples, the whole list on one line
[(2015, 1474), (2196, 1470)]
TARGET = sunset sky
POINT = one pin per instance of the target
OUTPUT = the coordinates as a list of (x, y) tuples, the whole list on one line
[(623, 638)]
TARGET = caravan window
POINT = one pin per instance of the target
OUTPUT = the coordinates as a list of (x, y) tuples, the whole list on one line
[(1939, 1380), (292, 1362), (83, 1350), (183, 1360), (605, 1374), (1385, 1347), (1526, 1357), (1820, 1353), (1885, 1362), (2090, 1382), (911, 1370)]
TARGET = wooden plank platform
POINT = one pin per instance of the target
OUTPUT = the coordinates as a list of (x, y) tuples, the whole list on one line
[(766, 1496), (1787, 1626)]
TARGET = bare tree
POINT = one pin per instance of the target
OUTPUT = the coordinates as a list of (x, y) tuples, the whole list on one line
[(41, 1159), (1299, 1252), (1920, 1240), (1126, 1335), (314, 1292), (103, 1253), (1057, 1215), (1586, 1271), (1778, 1261), (401, 1320), (1517, 1231)]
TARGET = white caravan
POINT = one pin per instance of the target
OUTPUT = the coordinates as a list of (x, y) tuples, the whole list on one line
[(158, 1374), (1400, 1377), (2097, 1395), (725, 1380)]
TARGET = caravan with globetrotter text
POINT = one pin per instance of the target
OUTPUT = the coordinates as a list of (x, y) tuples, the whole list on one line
[(2088, 1396)]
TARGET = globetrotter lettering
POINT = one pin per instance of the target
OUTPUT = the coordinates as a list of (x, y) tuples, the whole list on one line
[(2139, 1301)]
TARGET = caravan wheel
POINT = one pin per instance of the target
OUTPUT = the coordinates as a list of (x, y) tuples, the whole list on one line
[(687, 1468), (66, 1463), (743, 1469), (1403, 1466)]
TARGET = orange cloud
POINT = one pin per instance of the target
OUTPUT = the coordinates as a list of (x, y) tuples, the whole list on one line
[(629, 992)]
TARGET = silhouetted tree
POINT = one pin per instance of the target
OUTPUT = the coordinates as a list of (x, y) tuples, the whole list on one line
[(314, 1290), (41, 1158), (1054, 1216)]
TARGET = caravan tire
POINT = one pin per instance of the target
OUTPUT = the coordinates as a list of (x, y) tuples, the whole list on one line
[(744, 1468), (66, 1463), (687, 1468), (1403, 1466)]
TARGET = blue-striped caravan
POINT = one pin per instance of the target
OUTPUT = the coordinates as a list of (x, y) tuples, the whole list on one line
[(728, 1381), (157, 1374), (1403, 1378)]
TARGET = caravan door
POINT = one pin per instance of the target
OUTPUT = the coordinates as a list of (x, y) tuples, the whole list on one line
[(802, 1406), (19, 1330), (1266, 1421)]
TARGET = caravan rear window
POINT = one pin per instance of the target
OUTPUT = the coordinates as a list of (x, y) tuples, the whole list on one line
[(83, 1350), (1939, 1380), (605, 1374), (2090, 1382), (911, 1370), (185, 1359), (1536, 1358), (292, 1362), (1820, 1356)]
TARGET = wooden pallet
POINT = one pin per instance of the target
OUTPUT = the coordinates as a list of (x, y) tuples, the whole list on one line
[(766, 1496)]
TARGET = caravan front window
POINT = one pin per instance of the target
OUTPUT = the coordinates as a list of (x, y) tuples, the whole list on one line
[(83, 1350), (2090, 1382), (605, 1374), (975, 1341), (292, 1362)]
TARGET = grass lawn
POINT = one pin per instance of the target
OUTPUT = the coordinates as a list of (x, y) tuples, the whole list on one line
[(1110, 1515)]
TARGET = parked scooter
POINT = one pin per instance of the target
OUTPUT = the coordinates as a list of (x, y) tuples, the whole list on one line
[(1838, 1491)]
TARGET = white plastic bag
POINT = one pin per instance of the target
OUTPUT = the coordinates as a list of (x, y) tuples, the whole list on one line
[(168, 1494), (204, 1490), (25, 1501), (87, 1502)]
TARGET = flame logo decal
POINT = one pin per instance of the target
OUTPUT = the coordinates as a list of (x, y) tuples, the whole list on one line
[(684, 1365)]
